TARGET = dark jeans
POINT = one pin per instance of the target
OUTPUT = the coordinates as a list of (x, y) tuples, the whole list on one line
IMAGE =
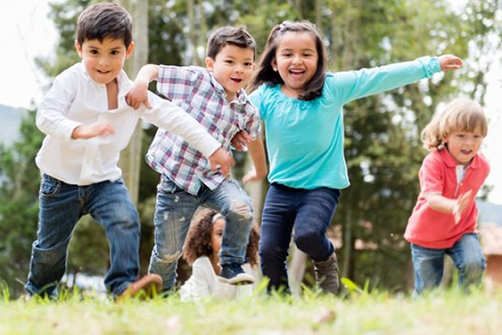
[(61, 206), (309, 212), (429, 263)]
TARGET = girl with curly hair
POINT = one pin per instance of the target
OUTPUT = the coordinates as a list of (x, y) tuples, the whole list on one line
[(201, 250)]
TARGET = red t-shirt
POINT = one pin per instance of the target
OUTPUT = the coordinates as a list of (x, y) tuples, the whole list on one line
[(432, 229)]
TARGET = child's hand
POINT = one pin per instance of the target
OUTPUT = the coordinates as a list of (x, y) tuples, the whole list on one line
[(252, 176), (221, 158), (93, 130), (460, 205), (241, 140), (138, 94), (450, 62)]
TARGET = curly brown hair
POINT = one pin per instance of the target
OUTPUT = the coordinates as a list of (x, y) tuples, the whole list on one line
[(198, 241)]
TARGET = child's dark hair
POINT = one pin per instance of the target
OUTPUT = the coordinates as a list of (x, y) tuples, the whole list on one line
[(266, 74), (229, 35), (198, 241), (104, 20)]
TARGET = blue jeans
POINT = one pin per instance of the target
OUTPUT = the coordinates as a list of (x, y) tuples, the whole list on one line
[(174, 211), (61, 206), (309, 212), (429, 263)]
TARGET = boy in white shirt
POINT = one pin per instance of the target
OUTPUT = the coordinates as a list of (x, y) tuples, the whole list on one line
[(87, 124)]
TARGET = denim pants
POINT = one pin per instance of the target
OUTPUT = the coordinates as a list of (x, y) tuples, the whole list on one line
[(61, 206), (309, 212), (174, 211), (466, 254)]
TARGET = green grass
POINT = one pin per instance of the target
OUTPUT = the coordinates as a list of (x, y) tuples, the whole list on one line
[(447, 312)]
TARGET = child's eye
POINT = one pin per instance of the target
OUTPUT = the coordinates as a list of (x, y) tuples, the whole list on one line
[(228, 61), (93, 52), (115, 52), (248, 64)]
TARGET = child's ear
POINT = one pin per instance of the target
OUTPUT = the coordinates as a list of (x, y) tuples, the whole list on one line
[(79, 48), (129, 50), (209, 63), (274, 64)]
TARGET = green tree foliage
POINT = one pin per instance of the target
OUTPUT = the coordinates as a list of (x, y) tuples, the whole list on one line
[(19, 203)]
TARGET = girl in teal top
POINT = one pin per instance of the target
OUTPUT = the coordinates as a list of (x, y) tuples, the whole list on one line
[(301, 106)]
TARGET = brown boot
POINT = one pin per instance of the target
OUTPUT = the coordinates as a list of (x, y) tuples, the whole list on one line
[(326, 274), (150, 284)]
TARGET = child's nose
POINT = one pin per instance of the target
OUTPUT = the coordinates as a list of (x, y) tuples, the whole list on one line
[(103, 61), (239, 69), (297, 59)]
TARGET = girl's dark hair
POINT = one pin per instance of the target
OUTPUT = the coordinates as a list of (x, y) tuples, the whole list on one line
[(198, 241), (104, 20), (266, 74)]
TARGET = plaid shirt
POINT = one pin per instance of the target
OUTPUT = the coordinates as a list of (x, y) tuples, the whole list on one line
[(195, 90)]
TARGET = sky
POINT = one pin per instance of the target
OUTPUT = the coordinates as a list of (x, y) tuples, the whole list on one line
[(27, 32)]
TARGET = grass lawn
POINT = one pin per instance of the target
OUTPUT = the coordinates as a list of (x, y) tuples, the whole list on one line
[(377, 313)]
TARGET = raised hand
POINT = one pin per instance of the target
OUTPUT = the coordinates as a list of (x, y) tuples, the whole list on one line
[(138, 94), (450, 62)]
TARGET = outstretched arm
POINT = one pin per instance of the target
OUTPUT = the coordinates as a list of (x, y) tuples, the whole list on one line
[(139, 90), (352, 85)]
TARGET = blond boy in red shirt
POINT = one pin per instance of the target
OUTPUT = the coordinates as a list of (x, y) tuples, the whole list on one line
[(445, 216)]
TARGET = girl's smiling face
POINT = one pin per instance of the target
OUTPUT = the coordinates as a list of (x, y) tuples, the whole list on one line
[(464, 145), (296, 61)]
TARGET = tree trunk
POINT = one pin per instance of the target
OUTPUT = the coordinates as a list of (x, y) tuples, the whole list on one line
[(130, 159), (297, 269), (347, 244)]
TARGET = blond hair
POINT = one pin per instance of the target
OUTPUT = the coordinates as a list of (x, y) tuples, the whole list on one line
[(459, 115)]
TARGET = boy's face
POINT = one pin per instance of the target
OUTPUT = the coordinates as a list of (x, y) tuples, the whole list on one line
[(104, 60), (463, 145), (232, 68)]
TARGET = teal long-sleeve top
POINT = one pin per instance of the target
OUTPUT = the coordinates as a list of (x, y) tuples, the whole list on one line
[(305, 138)]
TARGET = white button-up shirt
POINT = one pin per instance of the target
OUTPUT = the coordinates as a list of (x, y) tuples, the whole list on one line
[(75, 99)]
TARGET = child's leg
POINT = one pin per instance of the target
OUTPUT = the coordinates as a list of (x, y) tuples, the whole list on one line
[(276, 227), (58, 214), (315, 210), (109, 204), (468, 258), (428, 266), (235, 205), (173, 212)]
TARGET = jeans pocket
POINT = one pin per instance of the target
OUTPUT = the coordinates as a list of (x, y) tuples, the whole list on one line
[(49, 186), (168, 186)]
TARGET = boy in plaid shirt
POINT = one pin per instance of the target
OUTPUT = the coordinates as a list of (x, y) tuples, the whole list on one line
[(214, 96)]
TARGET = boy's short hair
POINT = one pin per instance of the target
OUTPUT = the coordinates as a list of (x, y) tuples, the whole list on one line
[(229, 35), (104, 20)]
